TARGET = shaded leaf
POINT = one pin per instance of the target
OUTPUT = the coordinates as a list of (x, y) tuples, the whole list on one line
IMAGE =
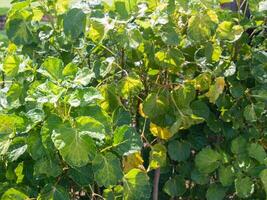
[(175, 186), (207, 160), (179, 151), (107, 170)]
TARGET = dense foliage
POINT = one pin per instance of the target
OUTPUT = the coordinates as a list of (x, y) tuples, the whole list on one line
[(102, 99)]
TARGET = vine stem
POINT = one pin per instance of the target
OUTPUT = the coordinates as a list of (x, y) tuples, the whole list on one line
[(156, 184)]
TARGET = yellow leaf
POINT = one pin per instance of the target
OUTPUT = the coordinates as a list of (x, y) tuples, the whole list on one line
[(130, 85), (220, 83), (225, 1), (11, 48), (157, 156), (213, 16), (141, 112), (132, 161), (216, 90), (37, 14), (62, 6), (162, 133)]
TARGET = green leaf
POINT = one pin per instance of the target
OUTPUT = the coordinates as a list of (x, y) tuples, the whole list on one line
[(184, 95), (239, 145), (83, 97), (215, 192), (74, 23), (259, 72), (244, 187), (98, 114), (157, 156), (70, 70), (120, 8), (130, 86), (53, 192), (200, 109), (46, 92), (15, 151), (113, 193), (171, 60), (11, 65), (52, 68), (155, 106), (169, 35), (19, 32), (14, 92), (199, 178), (83, 77), (13, 194), (76, 147), (207, 160), (226, 175), (107, 169), (136, 185), (257, 152), (263, 177), (179, 151), (126, 140), (249, 113), (83, 176), (121, 117), (91, 127), (175, 186), (48, 165), (10, 123), (135, 38)]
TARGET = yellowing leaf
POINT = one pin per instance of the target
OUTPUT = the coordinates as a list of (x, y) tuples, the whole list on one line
[(132, 161), (37, 14), (141, 112), (203, 81), (213, 16), (217, 51), (11, 48), (62, 6), (225, 1), (216, 89), (228, 31), (11, 65), (97, 31), (162, 133), (111, 101), (129, 86), (157, 156), (200, 27)]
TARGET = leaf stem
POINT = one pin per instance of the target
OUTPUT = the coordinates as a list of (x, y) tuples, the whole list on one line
[(156, 184)]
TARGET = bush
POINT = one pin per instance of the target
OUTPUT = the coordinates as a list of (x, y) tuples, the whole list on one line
[(121, 100)]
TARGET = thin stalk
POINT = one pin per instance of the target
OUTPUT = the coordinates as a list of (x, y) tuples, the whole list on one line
[(156, 184)]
